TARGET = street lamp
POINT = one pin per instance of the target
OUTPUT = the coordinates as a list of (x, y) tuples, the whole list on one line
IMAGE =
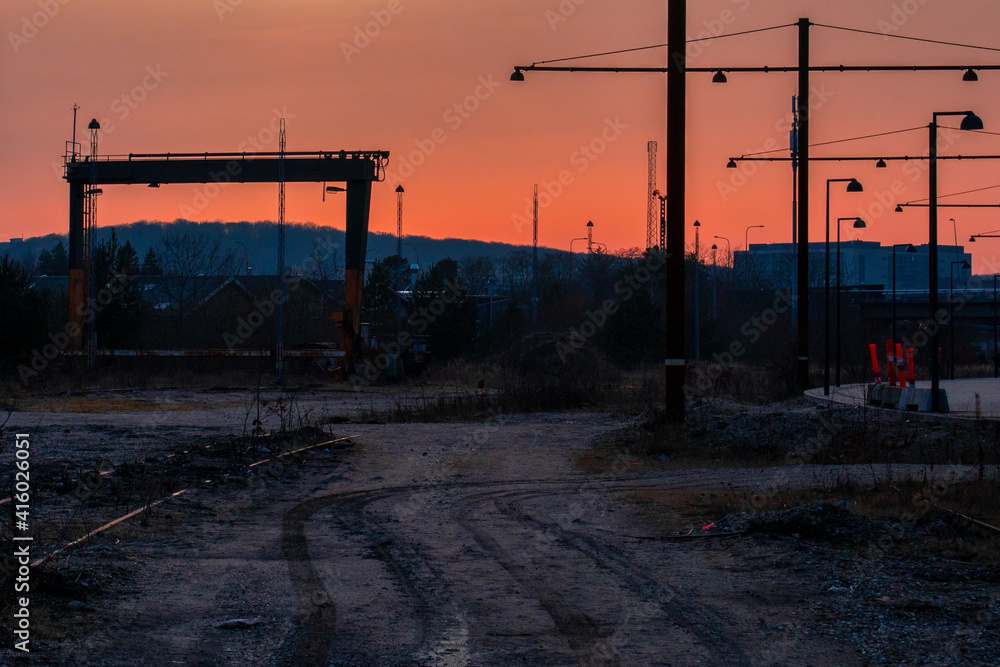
[(954, 226), (970, 121), (909, 248), (697, 304), (852, 186), (715, 282), (858, 224), (746, 244), (729, 248), (951, 307)]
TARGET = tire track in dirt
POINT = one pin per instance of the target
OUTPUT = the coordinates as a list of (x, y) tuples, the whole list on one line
[(317, 626), (712, 632)]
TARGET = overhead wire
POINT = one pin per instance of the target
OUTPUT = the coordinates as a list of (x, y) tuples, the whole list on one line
[(839, 141), (908, 37), (659, 46)]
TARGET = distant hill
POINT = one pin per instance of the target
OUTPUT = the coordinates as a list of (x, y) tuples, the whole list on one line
[(260, 242)]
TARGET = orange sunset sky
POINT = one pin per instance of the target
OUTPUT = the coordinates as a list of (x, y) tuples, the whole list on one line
[(209, 75)]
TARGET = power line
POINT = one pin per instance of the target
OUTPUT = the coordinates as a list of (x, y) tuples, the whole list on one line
[(955, 194), (907, 37), (659, 46), (840, 141)]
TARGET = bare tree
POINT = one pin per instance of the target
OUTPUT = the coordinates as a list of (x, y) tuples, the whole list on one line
[(190, 263), (475, 272)]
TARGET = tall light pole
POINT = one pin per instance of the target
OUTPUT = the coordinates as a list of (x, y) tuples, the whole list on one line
[(715, 282), (951, 308), (970, 121), (746, 244), (729, 249), (852, 186), (954, 226), (858, 224), (697, 303), (909, 248)]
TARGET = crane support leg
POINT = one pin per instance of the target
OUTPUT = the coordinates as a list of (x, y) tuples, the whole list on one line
[(359, 195)]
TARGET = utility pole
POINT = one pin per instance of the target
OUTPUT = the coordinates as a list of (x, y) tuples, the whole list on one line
[(674, 362), (803, 212)]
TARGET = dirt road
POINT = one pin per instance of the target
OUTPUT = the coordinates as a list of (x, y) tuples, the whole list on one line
[(447, 544)]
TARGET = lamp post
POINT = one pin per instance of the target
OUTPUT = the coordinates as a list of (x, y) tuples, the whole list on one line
[(572, 241), (852, 186), (697, 304), (954, 227), (858, 224), (951, 308), (970, 121), (715, 283), (909, 248), (729, 249), (746, 244)]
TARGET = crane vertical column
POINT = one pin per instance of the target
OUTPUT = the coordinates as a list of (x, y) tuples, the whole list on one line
[(359, 195)]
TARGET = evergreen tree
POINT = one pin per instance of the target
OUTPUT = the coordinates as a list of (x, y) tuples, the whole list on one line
[(151, 264)]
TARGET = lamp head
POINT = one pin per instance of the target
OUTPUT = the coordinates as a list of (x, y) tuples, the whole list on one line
[(697, 224), (399, 189), (972, 239), (855, 186), (880, 164), (859, 223), (94, 125), (590, 223), (518, 75), (731, 164), (910, 248), (970, 75), (971, 122), (965, 265), (715, 247), (719, 77), (899, 208)]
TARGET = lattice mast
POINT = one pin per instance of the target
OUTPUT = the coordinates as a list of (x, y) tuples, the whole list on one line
[(534, 265), (279, 352), (89, 225), (399, 220), (651, 222)]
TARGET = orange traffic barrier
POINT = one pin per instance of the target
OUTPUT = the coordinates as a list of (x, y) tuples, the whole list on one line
[(875, 370)]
